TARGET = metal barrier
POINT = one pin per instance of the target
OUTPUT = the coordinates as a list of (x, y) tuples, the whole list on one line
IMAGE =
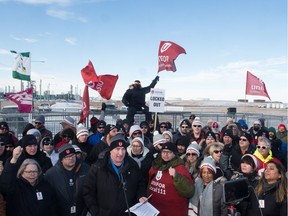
[(18, 121)]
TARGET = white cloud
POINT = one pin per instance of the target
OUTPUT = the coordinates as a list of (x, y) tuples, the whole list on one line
[(64, 15), (47, 2), (71, 40), (4, 52), (28, 40)]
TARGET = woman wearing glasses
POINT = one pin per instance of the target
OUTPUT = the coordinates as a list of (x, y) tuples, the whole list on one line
[(169, 183), (26, 192), (191, 157), (263, 154)]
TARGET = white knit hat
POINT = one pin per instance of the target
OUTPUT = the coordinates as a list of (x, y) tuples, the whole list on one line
[(194, 147), (209, 162), (158, 139), (168, 133), (197, 122), (68, 120), (81, 130), (256, 162)]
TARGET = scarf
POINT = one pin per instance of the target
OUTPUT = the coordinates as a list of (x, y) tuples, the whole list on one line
[(264, 160)]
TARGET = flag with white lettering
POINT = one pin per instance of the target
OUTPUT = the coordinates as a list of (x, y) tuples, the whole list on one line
[(23, 99), (85, 105), (22, 66), (255, 86), (104, 84), (167, 54)]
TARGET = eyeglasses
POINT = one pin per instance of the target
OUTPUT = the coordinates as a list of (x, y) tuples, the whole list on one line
[(197, 126), (2, 144), (137, 133), (163, 127), (241, 139), (7, 147), (263, 147), (47, 143), (136, 146), (3, 128), (191, 154), (38, 123), (184, 126), (101, 127), (31, 172), (217, 151)]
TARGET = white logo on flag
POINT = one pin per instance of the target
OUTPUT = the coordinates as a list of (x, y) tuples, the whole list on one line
[(165, 47)]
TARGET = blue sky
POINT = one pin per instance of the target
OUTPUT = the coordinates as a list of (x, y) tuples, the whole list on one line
[(223, 39)]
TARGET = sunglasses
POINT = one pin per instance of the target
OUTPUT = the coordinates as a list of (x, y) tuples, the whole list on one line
[(263, 147), (191, 154), (163, 127), (197, 126), (217, 151), (144, 127), (7, 147), (3, 128), (101, 127), (137, 133), (38, 123), (2, 144), (241, 139), (47, 143), (215, 126), (184, 127)]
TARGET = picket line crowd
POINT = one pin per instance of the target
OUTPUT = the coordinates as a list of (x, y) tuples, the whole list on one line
[(108, 168)]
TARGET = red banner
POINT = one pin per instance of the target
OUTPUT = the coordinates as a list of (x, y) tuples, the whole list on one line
[(88, 74), (105, 86), (23, 99), (85, 105), (255, 86), (168, 52)]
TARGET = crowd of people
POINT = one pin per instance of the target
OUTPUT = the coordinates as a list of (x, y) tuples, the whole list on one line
[(106, 169)]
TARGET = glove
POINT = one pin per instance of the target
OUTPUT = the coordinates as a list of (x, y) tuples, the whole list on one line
[(103, 108), (156, 78)]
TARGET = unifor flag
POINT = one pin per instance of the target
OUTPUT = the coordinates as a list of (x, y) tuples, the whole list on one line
[(23, 99), (104, 84), (255, 86), (167, 54), (88, 74), (22, 66), (85, 105)]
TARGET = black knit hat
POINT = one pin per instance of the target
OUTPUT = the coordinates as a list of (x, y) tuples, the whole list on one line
[(65, 150), (209, 134), (108, 128), (247, 136), (169, 146), (118, 141), (229, 133), (28, 140), (4, 125)]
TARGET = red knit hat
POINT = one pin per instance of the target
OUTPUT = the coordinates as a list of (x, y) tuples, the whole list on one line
[(282, 125)]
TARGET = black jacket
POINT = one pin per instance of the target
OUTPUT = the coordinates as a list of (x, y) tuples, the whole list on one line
[(103, 189), (135, 97), (22, 198), (67, 196)]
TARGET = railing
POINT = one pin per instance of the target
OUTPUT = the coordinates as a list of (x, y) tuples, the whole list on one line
[(17, 121)]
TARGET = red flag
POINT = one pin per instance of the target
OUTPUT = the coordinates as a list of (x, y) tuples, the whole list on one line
[(168, 52), (105, 85), (23, 99), (85, 105), (88, 74), (255, 86)]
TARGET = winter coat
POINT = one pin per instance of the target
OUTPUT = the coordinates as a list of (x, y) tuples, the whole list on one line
[(22, 198), (268, 199), (96, 150), (68, 192), (103, 189), (169, 195), (208, 201), (135, 97)]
